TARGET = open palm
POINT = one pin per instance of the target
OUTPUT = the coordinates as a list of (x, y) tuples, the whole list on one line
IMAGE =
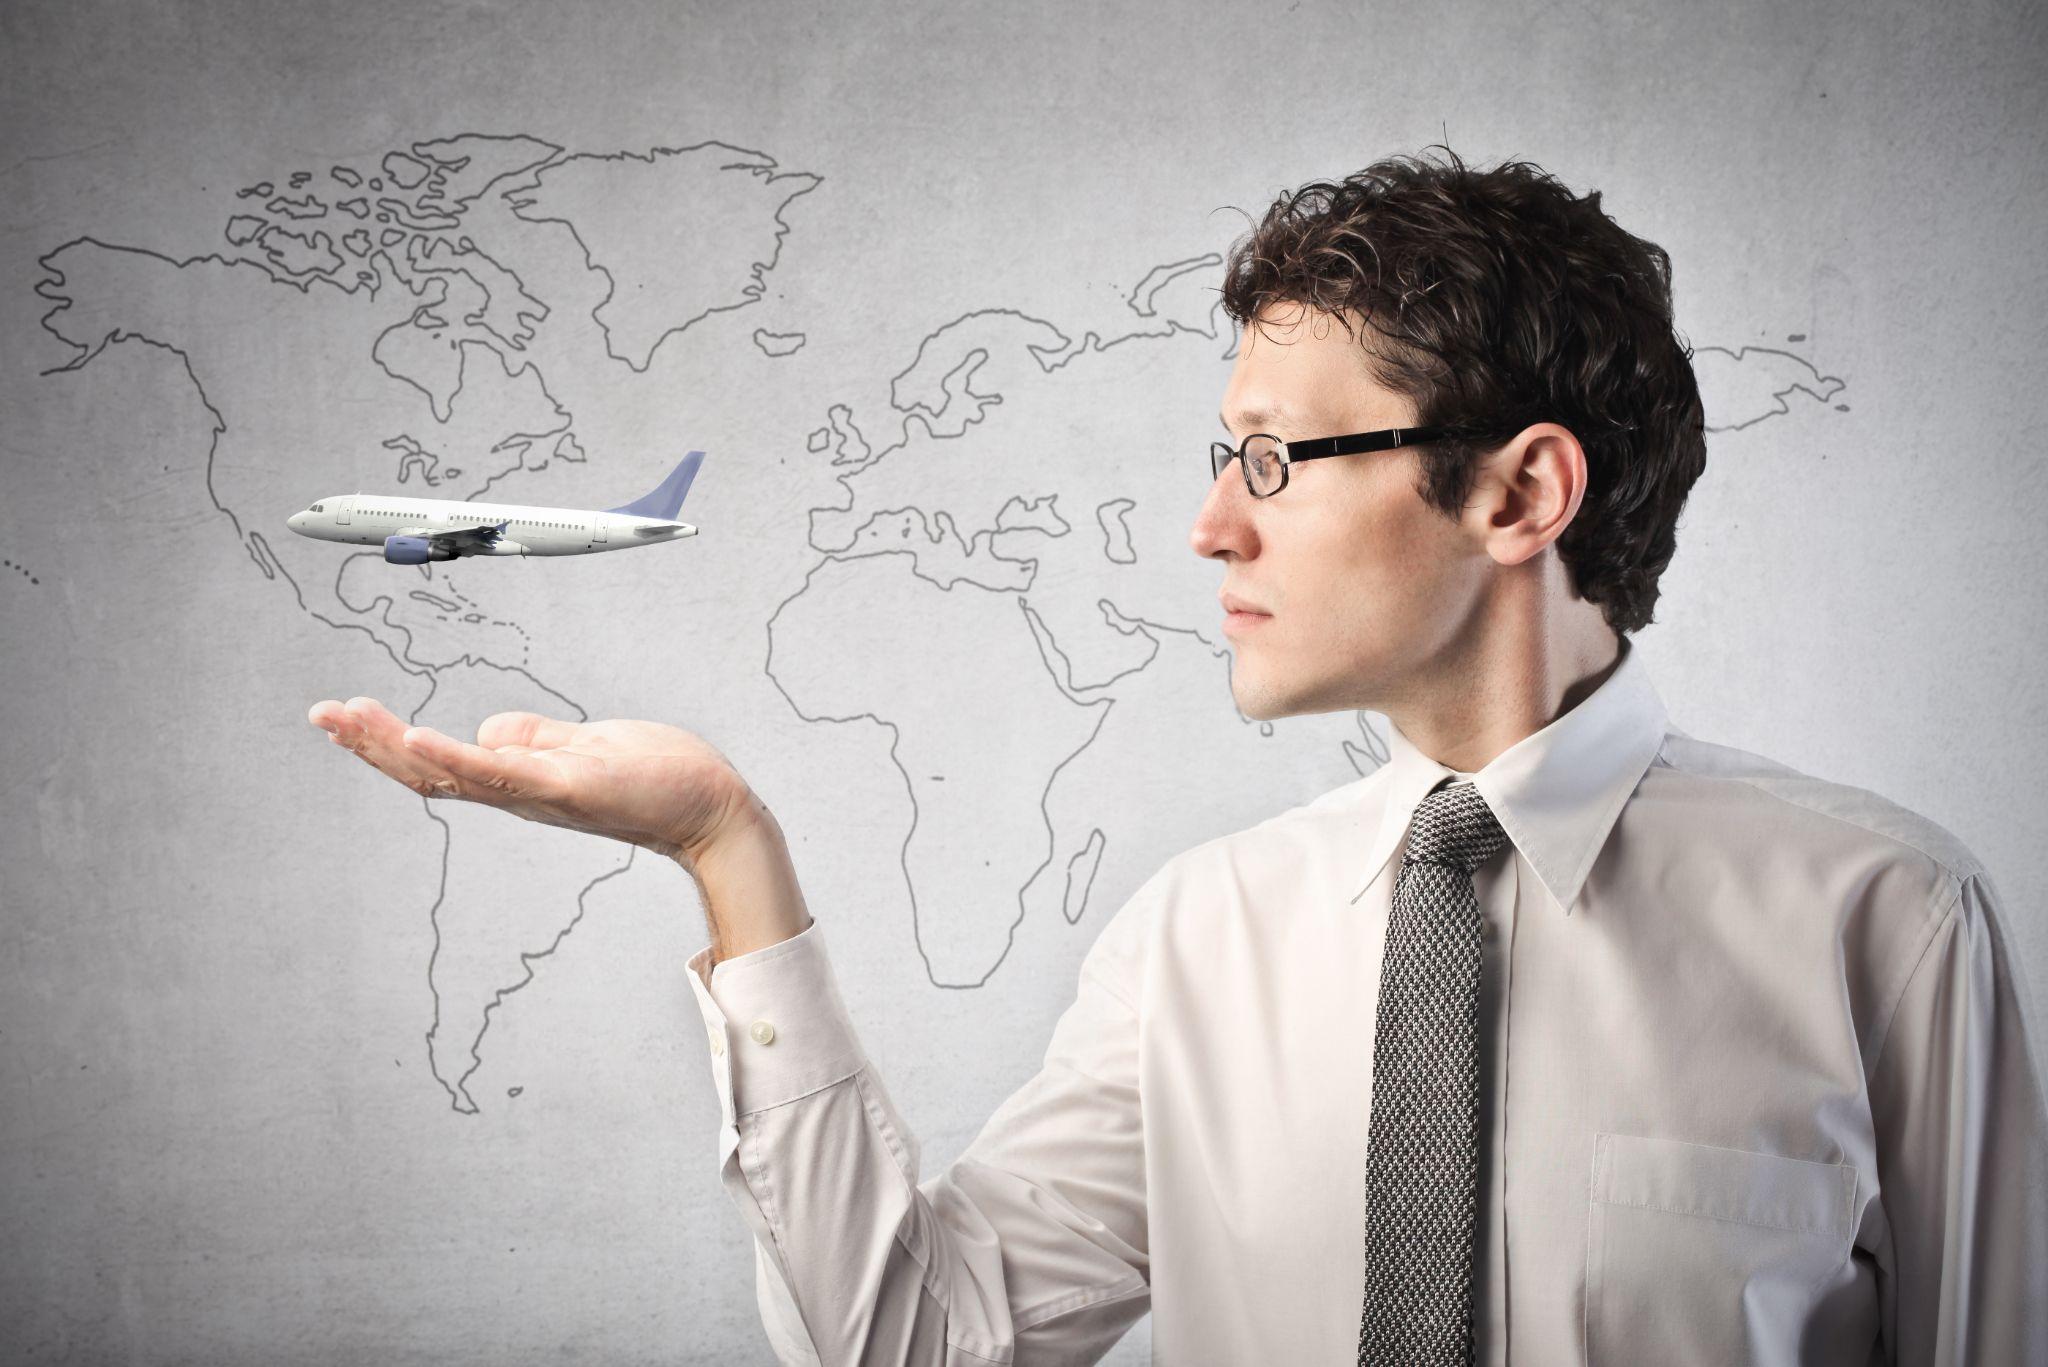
[(642, 782)]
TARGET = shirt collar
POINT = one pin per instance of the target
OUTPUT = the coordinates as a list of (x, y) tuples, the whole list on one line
[(1556, 792)]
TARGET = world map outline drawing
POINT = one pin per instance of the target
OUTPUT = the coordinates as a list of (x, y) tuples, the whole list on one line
[(471, 305)]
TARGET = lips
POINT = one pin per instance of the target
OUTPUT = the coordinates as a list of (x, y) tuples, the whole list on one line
[(1232, 603)]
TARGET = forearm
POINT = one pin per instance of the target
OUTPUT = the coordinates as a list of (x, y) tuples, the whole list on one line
[(748, 886), (1030, 1251)]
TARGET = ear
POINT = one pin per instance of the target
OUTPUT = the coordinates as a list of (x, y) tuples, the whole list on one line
[(1529, 490)]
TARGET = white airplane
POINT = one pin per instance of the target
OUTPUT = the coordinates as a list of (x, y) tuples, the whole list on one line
[(416, 530)]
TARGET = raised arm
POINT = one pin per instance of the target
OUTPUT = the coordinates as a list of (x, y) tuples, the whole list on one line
[(1030, 1248)]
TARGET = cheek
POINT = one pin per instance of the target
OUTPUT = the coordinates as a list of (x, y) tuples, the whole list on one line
[(1381, 539), (1387, 566)]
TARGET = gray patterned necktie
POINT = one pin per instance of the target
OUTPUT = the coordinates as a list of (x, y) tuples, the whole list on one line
[(1422, 1160)]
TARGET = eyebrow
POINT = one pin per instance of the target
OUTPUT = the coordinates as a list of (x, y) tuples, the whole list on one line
[(1256, 419)]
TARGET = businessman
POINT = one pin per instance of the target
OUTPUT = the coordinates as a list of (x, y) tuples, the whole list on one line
[(1563, 1037)]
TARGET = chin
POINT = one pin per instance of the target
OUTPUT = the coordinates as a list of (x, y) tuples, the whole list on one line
[(1260, 701), (1270, 700)]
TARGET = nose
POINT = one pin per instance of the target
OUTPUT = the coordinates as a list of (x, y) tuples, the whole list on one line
[(295, 521), (1223, 521)]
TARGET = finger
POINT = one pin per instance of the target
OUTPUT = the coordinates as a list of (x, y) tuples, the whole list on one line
[(371, 732), (529, 729), (343, 727), (481, 774), (375, 722)]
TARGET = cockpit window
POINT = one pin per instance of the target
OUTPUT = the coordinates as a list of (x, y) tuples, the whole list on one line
[(318, 509)]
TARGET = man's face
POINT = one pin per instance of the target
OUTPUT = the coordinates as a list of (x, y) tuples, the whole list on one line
[(1365, 583)]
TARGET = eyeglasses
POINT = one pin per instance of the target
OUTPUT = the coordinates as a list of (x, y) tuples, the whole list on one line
[(1265, 458)]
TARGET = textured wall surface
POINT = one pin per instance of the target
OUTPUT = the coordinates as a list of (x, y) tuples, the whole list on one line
[(297, 1068)]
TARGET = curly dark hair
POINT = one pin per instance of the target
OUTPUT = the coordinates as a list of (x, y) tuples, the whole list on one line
[(1496, 299)]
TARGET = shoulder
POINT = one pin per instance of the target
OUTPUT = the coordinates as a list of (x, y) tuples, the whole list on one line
[(1301, 856), (1236, 858), (1212, 893), (1789, 801), (1281, 837)]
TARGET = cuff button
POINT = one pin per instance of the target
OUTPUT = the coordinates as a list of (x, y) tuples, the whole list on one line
[(763, 1032)]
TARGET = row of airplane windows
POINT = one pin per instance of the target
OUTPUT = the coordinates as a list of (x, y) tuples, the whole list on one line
[(468, 517)]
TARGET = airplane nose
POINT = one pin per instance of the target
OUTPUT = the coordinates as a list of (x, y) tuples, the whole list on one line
[(295, 520)]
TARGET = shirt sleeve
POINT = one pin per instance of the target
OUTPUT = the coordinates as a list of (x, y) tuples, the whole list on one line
[(1030, 1248), (1962, 1136)]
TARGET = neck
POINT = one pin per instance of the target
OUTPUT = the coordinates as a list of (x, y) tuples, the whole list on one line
[(1516, 668)]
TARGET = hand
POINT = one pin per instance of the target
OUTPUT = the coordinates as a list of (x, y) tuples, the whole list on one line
[(641, 782)]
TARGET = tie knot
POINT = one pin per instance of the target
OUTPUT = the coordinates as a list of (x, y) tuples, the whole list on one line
[(1454, 826)]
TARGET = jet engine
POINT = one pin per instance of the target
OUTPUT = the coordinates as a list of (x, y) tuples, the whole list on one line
[(415, 550)]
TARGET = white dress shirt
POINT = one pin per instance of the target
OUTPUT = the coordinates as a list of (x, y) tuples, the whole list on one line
[(1755, 1088)]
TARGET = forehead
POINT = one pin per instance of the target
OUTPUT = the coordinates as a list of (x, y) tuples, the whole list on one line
[(1297, 365)]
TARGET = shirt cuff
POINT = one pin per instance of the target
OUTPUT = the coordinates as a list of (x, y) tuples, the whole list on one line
[(776, 1024)]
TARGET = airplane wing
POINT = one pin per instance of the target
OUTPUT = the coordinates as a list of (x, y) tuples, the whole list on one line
[(464, 540)]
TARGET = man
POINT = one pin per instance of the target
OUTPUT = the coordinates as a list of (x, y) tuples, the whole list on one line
[(1562, 1037)]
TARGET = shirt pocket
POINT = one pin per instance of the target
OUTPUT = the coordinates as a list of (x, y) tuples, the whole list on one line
[(1697, 1254)]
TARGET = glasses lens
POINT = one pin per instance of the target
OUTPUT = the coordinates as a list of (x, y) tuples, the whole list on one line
[(1219, 457), (1262, 464)]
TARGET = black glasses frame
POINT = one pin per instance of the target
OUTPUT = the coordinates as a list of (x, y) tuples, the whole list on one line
[(1315, 448)]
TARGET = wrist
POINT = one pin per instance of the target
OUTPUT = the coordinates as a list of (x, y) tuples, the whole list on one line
[(748, 885)]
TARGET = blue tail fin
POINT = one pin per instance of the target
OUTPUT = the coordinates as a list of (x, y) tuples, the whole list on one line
[(667, 498)]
